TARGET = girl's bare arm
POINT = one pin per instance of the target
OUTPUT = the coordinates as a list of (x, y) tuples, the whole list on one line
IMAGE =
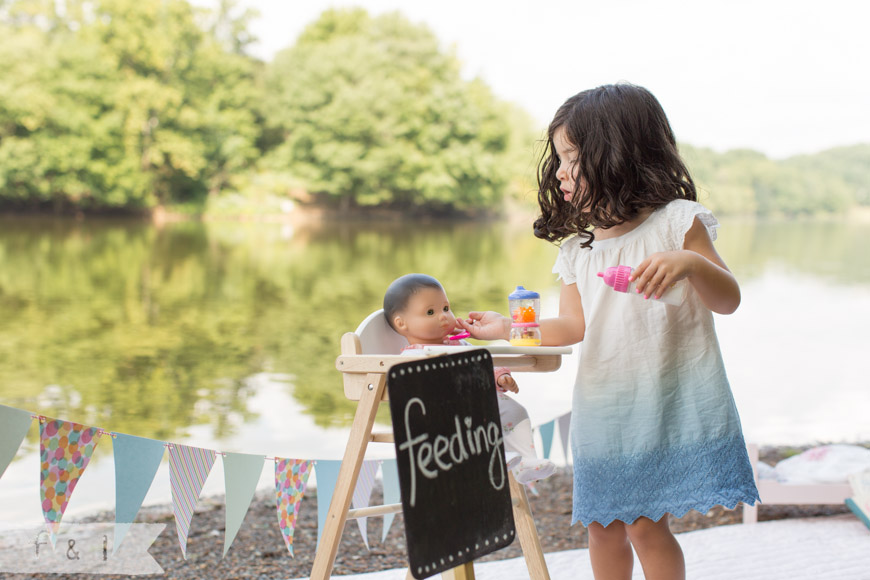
[(570, 326), (567, 328)]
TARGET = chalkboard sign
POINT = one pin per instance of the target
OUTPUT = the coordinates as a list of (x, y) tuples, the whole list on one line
[(450, 456)]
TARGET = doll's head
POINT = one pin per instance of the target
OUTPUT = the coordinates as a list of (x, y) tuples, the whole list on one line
[(416, 306)]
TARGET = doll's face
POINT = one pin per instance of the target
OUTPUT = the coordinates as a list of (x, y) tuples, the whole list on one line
[(427, 318), (569, 167)]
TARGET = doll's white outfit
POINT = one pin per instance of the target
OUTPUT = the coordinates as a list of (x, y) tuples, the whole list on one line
[(654, 427)]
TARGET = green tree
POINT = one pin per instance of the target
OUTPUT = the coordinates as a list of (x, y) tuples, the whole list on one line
[(846, 169), (373, 112), (747, 182), (99, 111)]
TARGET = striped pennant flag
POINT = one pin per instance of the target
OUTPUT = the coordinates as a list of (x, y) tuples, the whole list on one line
[(188, 469), (362, 494), (291, 477), (14, 425), (65, 449)]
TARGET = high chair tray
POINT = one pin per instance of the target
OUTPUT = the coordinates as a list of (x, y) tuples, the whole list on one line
[(499, 349)]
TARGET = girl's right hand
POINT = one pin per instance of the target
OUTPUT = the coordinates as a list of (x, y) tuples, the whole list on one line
[(486, 325)]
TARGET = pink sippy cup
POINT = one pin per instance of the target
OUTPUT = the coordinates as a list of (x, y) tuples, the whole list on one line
[(617, 278)]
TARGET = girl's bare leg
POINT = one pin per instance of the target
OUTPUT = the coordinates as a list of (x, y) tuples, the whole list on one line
[(610, 551), (657, 549)]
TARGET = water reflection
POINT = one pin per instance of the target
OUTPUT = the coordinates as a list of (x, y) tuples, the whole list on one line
[(153, 331)]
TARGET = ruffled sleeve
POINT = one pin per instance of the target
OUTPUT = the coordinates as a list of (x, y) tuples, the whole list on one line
[(681, 214), (566, 262)]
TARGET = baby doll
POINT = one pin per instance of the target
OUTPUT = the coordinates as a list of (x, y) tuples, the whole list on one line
[(416, 307)]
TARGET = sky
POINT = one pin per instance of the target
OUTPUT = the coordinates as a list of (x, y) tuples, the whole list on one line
[(783, 77)]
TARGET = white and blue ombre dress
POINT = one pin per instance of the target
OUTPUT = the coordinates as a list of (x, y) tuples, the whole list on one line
[(654, 428)]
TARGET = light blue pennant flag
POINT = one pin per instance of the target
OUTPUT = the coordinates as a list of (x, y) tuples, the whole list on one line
[(14, 424), (546, 430), (564, 429), (326, 471), (241, 475), (392, 491), (136, 463)]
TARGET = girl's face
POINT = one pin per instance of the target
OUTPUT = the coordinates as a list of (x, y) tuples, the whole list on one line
[(569, 167), (427, 319)]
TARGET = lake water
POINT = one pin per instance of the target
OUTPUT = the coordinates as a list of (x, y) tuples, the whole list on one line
[(224, 335)]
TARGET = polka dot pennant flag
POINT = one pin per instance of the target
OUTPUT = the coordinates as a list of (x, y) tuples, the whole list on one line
[(291, 476), (65, 449), (188, 469)]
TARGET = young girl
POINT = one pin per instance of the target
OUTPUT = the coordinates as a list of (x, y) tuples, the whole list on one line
[(416, 307), (654, 428)]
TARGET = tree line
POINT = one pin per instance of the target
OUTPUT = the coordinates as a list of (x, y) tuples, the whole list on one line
[(127, 105)]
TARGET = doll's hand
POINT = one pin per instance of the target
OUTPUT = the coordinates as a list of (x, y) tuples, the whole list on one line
[(486, 325), (507, 383), (660, 271)]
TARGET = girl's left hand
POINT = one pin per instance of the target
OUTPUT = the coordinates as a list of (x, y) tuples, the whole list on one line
[(660, 271)]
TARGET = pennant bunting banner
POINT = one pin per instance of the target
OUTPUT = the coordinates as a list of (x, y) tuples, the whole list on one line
[(362, 494), (291, 477), (546, 431), (564, 428), (327, 474), (392, 491), (65, 449), (188, 469), (136, 463), (14, 425), (241, 475)]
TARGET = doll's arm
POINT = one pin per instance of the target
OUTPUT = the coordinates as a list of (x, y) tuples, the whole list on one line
[(504, 381)]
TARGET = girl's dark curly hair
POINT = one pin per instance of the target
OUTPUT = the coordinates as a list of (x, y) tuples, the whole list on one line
[(627, 155)]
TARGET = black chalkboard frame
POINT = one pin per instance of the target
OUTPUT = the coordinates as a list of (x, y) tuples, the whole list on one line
[(450, 455)]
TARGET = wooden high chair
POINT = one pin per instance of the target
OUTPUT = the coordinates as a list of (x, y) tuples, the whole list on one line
[(366, 356)]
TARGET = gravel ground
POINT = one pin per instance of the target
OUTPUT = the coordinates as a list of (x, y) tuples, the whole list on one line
[(258, 551)]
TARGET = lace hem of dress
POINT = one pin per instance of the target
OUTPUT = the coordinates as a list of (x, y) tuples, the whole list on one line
[(673, 480)]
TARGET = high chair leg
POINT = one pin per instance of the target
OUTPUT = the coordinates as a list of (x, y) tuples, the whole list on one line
[(527, 532), (354, 453), (461, 572)]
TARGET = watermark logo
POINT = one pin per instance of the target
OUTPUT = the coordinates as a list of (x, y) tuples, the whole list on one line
[(80, 549)]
